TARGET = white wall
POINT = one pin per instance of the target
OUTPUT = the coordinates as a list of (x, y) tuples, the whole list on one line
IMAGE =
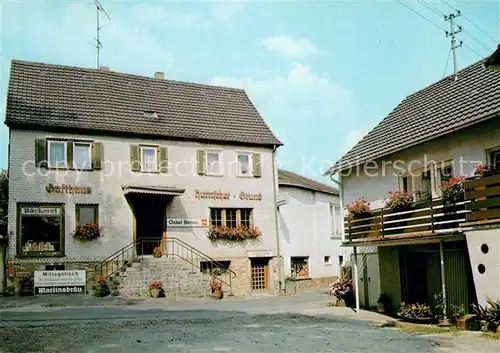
[(488, 283), (27, 184), (305, 230), (468, 145)]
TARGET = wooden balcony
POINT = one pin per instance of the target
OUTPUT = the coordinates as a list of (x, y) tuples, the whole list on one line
[(484, 197), (481, 206)]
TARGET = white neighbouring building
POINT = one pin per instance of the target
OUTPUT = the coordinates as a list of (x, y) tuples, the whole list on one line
[(130, 153), (310, 230)]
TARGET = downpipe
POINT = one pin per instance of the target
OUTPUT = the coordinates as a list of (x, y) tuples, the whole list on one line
[(276, 215)]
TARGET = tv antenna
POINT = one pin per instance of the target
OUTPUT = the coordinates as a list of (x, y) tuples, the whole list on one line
[(98, 44)]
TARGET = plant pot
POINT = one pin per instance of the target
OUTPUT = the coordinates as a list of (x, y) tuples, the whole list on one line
[(381, 307), (156, 256), (155, 293), (484, 325), (290, 287), (217, 294), (461, 323)]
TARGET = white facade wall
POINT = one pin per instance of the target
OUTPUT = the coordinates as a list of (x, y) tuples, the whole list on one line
[(305, 229), (27, 184), (468, 145)]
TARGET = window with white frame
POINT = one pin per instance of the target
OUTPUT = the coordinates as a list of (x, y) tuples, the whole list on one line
[(57, 154), (213, 162), (244, 165), (149, 159), (335, 219), (442, 174), (82, 158), (424, 184)]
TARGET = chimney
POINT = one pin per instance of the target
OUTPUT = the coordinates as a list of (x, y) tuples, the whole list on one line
[(104, 68), (159, 75)]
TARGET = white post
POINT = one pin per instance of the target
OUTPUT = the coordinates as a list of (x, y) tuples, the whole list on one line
[(443, 278), (356, 278)]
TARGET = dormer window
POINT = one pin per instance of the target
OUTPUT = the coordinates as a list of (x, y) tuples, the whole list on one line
[(150, 115)]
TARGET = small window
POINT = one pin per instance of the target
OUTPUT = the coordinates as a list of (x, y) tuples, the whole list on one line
[(326, 259), (87, 214), (54, 267), (300, 266), (246, 215), (216, 217), (335, 220), (148, 159), (244, 166), (82, 156), (214, 268), (213, 163), (231, 219), (41, 230), (57, 154)]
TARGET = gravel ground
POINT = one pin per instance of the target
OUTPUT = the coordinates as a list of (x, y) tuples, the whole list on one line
[(209, 332), (300, 323)]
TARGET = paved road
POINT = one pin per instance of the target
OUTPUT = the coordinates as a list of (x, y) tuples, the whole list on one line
[(300, 323)]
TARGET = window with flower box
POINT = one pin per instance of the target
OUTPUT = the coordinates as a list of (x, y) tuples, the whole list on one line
[(231, 217), (40, 230), (86, 214)]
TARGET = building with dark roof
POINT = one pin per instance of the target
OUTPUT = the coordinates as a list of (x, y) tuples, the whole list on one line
[(407, 207), (310, 226), (104, 163)]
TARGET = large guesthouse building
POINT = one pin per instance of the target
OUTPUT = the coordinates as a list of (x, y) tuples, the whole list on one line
[(104, 163)]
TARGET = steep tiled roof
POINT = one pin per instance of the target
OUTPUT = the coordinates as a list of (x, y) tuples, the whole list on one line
[(48, 96), (287, 178), (494, 60), (438, 109)]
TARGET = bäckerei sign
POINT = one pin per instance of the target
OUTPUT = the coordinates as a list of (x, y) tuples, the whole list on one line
[(59, 282)]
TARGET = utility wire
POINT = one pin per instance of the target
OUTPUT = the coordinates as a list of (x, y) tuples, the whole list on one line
[(447, 61), (477, 40), (430, 7), (473, 50), (418, 14), (470, 21)]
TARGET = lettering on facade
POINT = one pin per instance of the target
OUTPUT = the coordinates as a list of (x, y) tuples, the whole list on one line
[(253, 197), (59, 282), (214, 195), (221, 195), (41, 211), (68, 189), (183, 222)]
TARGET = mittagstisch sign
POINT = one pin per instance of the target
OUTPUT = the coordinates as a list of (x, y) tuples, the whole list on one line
[(59, 282)]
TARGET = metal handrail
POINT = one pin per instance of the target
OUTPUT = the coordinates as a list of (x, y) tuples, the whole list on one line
[(193, 257)]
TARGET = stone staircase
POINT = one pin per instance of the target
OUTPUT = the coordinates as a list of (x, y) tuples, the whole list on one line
[(179, 278)]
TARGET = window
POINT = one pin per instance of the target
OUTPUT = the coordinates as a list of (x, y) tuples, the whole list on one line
[(40, 230), (148, 159), (87, 214), (335, 219), (82, 156), (213, 163), (326, 259), (231, 217), (244, 166), (300, 266), (215, 268), (57, 154), (495, 159), (442, 174)]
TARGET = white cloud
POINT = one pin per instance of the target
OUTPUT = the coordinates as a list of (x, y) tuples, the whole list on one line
[(352, 138), (223, 11), (302, 90), (289, 46)]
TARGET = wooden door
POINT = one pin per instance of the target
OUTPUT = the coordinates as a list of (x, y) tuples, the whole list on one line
[(260, 274)]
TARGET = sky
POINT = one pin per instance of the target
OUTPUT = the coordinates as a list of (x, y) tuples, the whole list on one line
[(321, 73)]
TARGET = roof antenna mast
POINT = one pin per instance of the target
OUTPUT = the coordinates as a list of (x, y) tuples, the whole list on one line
[(450, 18), (98, 45)]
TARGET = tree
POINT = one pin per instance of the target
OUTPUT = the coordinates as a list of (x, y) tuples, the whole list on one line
[(4, 201)]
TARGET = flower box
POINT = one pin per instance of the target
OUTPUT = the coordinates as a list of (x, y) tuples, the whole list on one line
[(240, 233)]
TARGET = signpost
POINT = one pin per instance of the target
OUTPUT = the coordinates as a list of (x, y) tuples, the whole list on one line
[(184, 222), (59, 282)]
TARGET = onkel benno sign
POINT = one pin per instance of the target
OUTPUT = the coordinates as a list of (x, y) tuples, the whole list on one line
[(59, 282)]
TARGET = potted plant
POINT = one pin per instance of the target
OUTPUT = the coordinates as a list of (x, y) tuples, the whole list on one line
[(359, 209), (416, 313), (216, 288), (290, 285), (157, 252), (458, 313), (383, 303), (155, 289), (399, 201), (453, 191), (483, 170), (87, 232), (101, 288)]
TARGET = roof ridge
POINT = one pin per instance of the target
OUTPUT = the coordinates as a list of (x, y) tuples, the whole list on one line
[(307, 179), (117, 73)]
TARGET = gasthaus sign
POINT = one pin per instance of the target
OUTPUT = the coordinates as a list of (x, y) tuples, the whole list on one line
[(59, 282)]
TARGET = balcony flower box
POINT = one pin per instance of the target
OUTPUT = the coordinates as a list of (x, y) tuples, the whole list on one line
[(238, 234), (453, 191), (359, 209), (399, 201)]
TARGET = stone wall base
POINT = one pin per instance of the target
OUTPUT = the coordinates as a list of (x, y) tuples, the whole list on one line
[(308, 284)]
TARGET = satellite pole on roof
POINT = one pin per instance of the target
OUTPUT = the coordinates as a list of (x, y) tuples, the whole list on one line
[(98, 44), (450, 18)]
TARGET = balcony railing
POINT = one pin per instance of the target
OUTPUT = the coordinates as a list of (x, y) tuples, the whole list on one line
[(481, 206)]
